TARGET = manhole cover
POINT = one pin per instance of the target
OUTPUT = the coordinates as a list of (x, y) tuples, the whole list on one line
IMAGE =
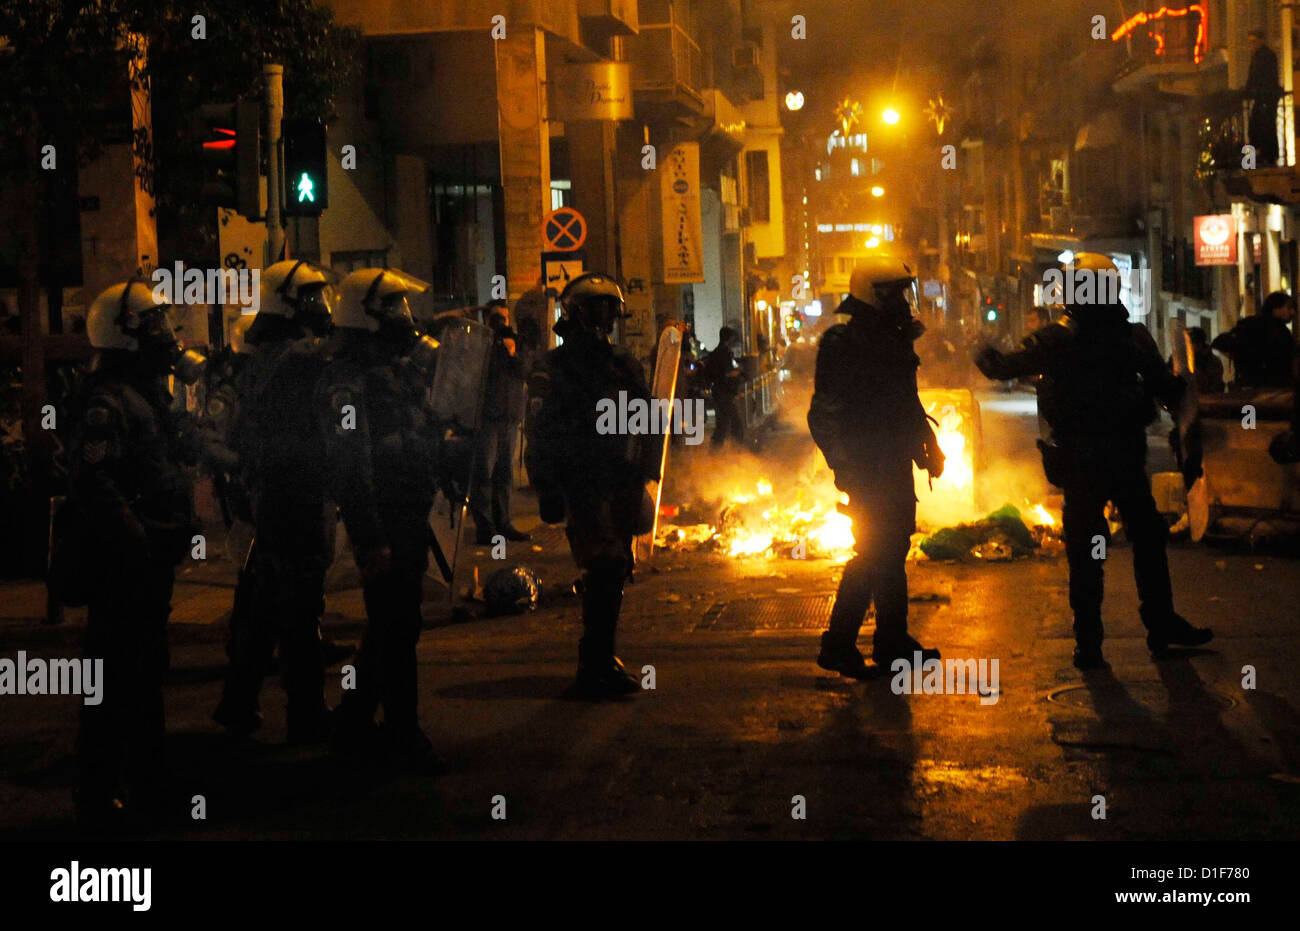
[(791, 612), (1136, 698)]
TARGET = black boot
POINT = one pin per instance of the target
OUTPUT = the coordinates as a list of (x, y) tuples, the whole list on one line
[(1088, 656), (1176, 631), (609, 680), (600, 673), (884, 652), (410, 749), (844, 658)]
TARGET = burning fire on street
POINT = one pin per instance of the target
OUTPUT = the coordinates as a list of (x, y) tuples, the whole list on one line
[(751, 513)]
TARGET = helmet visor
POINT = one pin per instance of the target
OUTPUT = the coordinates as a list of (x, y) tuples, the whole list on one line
[(314, 300), (396, 307)]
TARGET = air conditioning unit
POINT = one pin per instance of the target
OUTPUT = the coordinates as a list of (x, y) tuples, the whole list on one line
[(744, 56)]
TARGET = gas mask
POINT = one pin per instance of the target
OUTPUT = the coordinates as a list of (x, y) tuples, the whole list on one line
[(423, 355), (161, 353), (393, 315), (312, 309)]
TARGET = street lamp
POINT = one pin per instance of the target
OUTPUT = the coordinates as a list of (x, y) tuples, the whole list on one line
[(794, 100), (890, 116), (877, 191)]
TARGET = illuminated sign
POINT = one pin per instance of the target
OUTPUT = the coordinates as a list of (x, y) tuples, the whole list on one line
[(1215, 238)]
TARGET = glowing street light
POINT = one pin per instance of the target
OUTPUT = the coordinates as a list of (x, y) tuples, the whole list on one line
[(890, 116), (877, 191), (872, 242), (794, 100)]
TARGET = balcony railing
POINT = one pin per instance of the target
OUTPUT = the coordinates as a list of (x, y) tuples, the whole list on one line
[(1232, 122), (665, 58), (1163, 41)]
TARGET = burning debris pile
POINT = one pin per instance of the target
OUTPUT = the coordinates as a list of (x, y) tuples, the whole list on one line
[(999, 536), (787, 505), (801, 523), (805, 523)]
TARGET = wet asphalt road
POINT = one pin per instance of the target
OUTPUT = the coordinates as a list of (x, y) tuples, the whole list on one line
[(741, 721)]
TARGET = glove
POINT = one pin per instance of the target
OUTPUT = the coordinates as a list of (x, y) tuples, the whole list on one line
[(931, 458), (551, 508), (986, 360)]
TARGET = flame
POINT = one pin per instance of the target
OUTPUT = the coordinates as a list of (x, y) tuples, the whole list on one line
[(958, 469), (1043, 516), (758, 523)]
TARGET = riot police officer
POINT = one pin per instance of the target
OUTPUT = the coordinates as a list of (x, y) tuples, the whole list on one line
[(381, 440), (867, 419), (128, 479), (220, 404), (281, 452), (1101, 376), (594, 483)]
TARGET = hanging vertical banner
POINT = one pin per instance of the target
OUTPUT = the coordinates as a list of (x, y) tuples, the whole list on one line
[(683, 230)]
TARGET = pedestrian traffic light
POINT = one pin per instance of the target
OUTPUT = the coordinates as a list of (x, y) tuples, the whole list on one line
[(306, 187), (229, 137)]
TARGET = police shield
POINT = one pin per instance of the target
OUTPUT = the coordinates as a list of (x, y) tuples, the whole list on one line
[(461, 375), (663, 391)]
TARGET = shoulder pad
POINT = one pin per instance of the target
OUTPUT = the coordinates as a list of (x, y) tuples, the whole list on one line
[(1058, 333), (836, 334)]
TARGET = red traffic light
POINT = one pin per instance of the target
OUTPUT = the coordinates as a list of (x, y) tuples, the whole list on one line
[(222, 143)]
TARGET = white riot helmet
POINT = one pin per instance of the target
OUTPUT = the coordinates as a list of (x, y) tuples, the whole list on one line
[(877, 278), (1093, 262), (114, 318), (375, 300), (297, 291), (127, 317)]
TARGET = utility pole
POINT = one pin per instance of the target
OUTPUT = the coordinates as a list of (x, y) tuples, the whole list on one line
[(274, 76)]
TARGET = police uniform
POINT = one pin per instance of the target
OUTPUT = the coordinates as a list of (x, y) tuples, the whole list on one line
[(282, 453), (381, 440), (868, 421), (1101, 378), (127, 475), (594, 482)]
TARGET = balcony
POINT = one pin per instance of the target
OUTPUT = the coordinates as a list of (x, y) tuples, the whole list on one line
[(667, 70), (1224, 133), (1164, 50)]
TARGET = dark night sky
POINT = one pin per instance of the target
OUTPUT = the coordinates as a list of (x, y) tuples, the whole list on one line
[(854, 46)]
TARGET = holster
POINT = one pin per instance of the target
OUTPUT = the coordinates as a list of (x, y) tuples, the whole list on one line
[(1055, 463)]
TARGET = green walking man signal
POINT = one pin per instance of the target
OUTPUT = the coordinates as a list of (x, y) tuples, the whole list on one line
[(307, 190)]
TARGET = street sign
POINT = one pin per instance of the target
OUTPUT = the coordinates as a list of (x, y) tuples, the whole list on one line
[(564, 230), (562, 267)]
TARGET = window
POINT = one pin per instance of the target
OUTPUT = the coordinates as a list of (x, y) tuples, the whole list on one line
[(758, 187)]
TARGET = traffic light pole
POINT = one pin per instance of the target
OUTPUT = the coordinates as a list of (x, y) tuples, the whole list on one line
[(274, 75)]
